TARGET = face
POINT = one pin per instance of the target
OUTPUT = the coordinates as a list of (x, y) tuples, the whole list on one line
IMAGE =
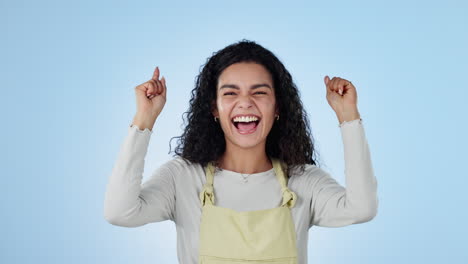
[(245, 89)]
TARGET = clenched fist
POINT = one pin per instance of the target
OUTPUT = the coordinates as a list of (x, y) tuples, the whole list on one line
[(151, 95), (342, 97)]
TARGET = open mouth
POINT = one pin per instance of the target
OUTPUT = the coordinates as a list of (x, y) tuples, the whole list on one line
[(246, 127)]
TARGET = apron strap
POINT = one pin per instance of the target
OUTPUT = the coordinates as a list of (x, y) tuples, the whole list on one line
[(207, 194), (289, 197)]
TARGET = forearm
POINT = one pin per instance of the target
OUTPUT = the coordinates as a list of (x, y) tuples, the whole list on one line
[(124, 183), (361, 184)]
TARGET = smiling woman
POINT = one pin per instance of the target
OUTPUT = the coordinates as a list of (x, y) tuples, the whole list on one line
[(244, 186), (248, 80), (245, 91)]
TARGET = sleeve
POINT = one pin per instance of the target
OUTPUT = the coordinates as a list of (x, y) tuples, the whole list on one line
[(332, 205), (127, 202)]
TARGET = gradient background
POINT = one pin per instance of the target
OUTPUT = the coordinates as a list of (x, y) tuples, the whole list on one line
[(69, 69)]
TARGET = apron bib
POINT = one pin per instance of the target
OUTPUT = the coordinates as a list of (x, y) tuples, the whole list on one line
[(228, 236)]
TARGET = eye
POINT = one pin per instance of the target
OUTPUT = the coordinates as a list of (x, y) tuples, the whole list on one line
[(229, 93)]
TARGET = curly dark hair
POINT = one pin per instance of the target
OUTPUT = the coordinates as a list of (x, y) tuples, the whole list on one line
[(203, 139)]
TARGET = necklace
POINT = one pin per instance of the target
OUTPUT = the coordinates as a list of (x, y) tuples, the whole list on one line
[(245, 177)]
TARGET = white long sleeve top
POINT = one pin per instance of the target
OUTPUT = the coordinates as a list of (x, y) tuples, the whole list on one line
[(172, 192)]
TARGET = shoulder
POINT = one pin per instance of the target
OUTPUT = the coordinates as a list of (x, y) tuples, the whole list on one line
[(178, 165), (310, 175)]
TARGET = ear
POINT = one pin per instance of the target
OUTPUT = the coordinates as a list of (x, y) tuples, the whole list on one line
[(214, 109)]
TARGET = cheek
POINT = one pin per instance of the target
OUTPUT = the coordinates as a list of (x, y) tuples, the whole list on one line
[(269, 105), (224, 105), (221, 105)]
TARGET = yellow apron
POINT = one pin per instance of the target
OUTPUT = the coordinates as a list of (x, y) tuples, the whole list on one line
[(264, 236)]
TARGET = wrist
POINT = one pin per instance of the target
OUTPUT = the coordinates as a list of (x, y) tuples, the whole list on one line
[(348, 115), (143, 122)]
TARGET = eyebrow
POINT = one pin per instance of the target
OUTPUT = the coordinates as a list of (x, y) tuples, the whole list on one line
[(255, 86)]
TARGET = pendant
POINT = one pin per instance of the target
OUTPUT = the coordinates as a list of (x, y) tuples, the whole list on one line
[(245, 178)]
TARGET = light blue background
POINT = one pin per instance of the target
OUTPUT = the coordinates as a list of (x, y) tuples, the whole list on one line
[(69, 69)]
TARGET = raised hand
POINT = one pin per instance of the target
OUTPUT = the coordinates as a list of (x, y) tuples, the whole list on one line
[(342, 97), (151, 96)]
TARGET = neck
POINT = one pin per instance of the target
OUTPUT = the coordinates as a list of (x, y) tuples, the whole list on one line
[(246, 161)]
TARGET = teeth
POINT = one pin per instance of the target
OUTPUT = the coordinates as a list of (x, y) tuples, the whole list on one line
[(245, 119)]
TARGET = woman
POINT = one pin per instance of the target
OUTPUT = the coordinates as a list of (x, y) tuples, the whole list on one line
[(247, 143)]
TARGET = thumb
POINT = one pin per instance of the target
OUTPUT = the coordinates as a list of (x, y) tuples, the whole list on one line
[(326, 79)]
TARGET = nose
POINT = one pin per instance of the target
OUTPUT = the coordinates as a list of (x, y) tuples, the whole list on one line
[(245, 102)]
